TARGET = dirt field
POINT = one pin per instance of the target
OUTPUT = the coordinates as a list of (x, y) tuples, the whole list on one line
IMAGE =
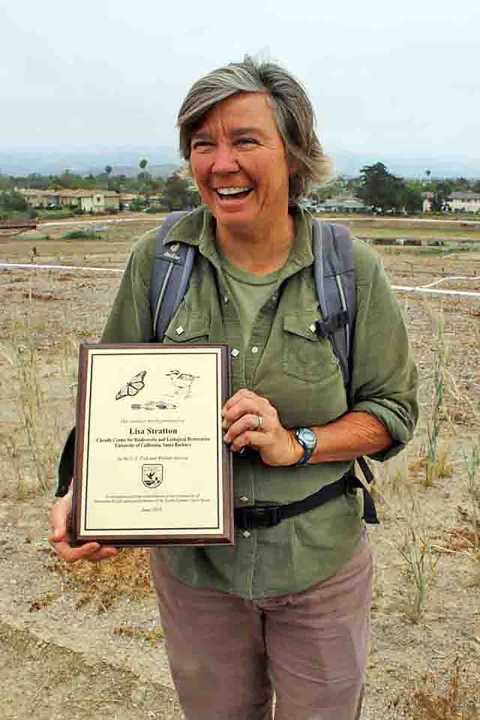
[(84, 642)]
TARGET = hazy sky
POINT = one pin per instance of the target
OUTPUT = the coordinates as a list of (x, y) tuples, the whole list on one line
[(390, 77)]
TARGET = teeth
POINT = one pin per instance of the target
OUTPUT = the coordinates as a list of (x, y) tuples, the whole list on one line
[(232, 190)]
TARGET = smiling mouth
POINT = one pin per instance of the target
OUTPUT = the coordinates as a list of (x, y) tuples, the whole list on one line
[(233, 193)]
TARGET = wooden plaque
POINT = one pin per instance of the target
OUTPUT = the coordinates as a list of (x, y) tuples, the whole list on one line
[(151, 466)]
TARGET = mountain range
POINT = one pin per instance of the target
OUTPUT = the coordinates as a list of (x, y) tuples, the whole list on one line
[(162, 161)]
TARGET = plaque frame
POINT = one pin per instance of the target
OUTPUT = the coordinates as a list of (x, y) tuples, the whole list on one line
[(206, 520)]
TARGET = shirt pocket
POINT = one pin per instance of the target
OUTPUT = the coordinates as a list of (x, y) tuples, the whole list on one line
[(188, 328), (305, 355)]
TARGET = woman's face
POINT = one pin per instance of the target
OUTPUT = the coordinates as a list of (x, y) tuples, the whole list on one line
[(239, 163)]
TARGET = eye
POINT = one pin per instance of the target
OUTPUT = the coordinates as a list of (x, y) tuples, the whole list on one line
[(247, 141), (201, 144)]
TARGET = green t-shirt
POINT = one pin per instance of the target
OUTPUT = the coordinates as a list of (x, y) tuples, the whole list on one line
[(250, 292)]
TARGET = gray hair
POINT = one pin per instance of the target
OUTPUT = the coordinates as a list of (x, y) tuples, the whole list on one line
[(291, 106)]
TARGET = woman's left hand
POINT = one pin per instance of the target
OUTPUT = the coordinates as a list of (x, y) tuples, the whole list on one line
[(251, 421)]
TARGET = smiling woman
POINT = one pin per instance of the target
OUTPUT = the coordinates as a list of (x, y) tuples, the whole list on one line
[(286, 609)]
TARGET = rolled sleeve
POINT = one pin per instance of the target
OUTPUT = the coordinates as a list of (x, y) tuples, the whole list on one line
[(384, 378)]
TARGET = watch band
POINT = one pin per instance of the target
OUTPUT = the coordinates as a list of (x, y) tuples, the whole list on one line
[(308, 440)]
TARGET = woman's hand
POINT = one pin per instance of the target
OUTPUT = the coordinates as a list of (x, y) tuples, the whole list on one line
[(60, 538), (251, 421)]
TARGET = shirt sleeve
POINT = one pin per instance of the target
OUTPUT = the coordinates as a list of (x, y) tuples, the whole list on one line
[(384, 377), (130, 318)]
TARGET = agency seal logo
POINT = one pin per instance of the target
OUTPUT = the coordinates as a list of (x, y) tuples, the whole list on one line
[(152, 475)]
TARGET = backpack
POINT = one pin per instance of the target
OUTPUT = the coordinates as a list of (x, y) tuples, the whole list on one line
[(334, 275)]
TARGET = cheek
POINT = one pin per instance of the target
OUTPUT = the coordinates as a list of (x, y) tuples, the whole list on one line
[(199, 170)]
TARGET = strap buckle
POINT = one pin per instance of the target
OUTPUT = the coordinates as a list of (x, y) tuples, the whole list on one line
[(258, 516)]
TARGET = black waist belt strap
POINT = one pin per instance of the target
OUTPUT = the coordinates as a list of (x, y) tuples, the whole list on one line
[(270, 514)]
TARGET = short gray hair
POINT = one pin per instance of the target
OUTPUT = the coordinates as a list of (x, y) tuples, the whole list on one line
[(291, 106)]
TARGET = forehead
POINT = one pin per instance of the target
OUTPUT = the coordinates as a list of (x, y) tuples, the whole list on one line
[(246, 110)]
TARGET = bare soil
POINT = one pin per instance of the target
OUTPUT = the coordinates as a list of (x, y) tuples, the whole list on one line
[(85, 641)]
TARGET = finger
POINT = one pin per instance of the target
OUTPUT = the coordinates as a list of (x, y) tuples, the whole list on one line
[(250, 438), (240, 395), (243, 424), (60, 518), (244, 407), (90, 551)]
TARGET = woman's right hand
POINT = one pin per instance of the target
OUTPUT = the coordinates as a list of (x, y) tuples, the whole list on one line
[(59, 536)]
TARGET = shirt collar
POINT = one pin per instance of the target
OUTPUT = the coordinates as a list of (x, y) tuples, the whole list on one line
[(198, 228)]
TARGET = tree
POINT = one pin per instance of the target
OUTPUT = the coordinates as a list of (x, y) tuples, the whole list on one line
[(108, 170), (380, 189), (179, 193), (12, 202), (412, 199), (441, 193), (143, 164)]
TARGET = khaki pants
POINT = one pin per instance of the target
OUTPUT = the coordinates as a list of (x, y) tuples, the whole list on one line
[(228, 655)]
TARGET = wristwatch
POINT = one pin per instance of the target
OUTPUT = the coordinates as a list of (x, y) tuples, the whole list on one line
[(308, 440)]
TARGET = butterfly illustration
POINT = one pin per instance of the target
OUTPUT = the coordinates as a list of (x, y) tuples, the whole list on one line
[(132, 387)]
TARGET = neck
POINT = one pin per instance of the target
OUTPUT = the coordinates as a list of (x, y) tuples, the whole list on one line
[(259, 251)]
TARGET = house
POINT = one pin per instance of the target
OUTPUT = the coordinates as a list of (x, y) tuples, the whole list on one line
[(343, 204), (466, 201), (90, 201), (458, 202)]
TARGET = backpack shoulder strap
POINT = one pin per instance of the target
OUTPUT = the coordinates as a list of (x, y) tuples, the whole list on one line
[(334, 273), (170, 277)]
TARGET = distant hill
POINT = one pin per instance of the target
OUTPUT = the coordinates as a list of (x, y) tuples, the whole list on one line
[(350, 164), (162, 161)]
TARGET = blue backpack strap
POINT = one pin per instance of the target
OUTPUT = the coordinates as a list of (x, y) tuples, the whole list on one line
[(170, 277), (334, 273)]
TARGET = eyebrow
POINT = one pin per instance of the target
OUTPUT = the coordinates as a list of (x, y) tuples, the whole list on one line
[(236, 132)]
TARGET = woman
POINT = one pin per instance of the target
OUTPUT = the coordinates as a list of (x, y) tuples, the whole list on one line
[(287, 608)]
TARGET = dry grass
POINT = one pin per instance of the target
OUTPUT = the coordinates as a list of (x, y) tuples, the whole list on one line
[(126, 575), (459, 701)]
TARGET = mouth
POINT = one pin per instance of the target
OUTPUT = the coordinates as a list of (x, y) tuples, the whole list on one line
[(233, 193)]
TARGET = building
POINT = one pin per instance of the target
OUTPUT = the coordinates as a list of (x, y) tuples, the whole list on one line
[(343, 204), (465, 201), (89, 201)]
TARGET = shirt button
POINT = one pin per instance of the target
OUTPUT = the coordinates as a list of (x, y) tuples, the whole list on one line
[(225, 299), (179, 330), (235, 353), (246, 534), (254, 349), (243, 499), (274, 297)]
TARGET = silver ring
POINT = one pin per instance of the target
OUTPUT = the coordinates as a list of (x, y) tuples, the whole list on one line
[(260, 421)]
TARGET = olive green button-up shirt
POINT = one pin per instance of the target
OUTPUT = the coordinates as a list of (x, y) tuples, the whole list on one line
[(287, 363)]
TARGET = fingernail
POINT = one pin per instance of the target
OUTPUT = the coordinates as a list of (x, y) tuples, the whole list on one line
[(225, 425)]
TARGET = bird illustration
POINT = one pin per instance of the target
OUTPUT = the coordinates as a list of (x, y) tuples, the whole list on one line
[(182, 382)]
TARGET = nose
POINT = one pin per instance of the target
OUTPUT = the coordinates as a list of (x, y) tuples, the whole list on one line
[(224, 160)]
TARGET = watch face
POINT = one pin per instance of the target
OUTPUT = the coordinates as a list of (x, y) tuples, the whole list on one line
[(307, 437)]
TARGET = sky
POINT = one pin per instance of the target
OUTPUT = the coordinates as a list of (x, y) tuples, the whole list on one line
[(401, 78)]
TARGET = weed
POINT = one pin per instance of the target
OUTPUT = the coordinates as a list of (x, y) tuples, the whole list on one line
[(154, 637), (436, 420), (31, 403), (473, 465), (126, 575), (459, 702), (417, 552)]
